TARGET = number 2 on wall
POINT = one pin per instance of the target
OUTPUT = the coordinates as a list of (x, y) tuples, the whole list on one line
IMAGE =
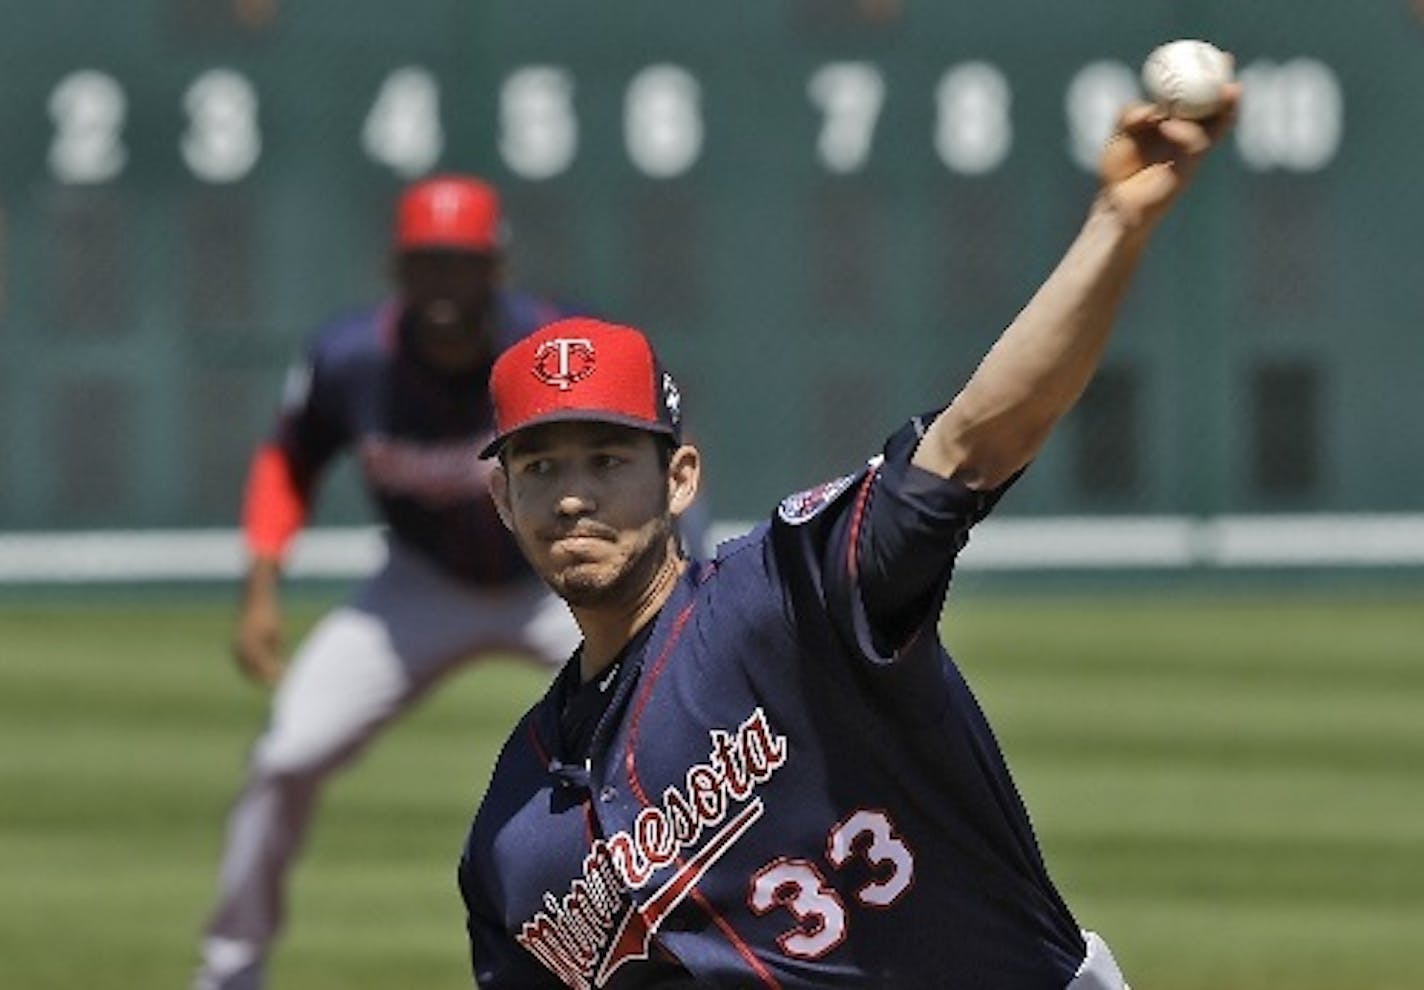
[(799, 886)]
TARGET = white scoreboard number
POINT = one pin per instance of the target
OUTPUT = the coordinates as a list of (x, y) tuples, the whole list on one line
[(222, 142), (88, 109), (402, 130), (1292, 121)]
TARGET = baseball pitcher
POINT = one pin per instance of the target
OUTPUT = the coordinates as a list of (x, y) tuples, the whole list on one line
[(764, 770)]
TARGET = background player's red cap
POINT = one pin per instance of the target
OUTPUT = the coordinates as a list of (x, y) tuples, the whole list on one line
[(451, 212), (582, 369)]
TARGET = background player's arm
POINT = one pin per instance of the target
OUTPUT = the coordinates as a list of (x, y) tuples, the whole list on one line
[(280, 486), (257, 640), (1040, 365), (274, 508)]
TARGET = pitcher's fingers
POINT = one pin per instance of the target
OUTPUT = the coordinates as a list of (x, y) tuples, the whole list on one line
[(1189, 137), (1136, 118), (1221, 122)]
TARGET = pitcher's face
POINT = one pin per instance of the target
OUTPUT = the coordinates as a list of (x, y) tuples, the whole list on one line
[(592, 505)]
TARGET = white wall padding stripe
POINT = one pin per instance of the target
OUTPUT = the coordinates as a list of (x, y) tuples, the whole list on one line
[(1009, 544)]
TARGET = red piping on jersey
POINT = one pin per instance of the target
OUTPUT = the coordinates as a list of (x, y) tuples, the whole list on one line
[(856, 518), (862, 500), (630, 762), (274, 505), (654, 672), (590, 820), (539, 749), (589, 823), (742, 948)]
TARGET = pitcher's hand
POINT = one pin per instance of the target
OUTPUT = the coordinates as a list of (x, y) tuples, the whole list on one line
[(1151, 158)]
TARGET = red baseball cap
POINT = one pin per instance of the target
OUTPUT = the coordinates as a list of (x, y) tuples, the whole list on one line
[(587, 370), (453, 212)]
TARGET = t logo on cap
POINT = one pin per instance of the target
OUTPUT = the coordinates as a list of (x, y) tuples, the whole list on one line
[(563, 361), (581, 369)]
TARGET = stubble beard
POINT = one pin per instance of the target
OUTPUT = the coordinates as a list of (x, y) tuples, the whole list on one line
[(592, 587)]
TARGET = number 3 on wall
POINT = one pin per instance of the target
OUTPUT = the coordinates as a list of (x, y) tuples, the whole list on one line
[(799, 886)]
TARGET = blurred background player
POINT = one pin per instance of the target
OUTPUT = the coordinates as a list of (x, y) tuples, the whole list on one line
[(403, 385)]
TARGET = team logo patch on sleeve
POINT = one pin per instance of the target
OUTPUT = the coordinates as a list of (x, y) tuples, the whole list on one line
[(805, 505)]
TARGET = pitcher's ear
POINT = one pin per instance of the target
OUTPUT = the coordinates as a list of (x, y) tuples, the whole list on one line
[(684, 475)]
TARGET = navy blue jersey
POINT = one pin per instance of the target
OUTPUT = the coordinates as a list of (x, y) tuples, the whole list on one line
[(781, 792), (416, 433)]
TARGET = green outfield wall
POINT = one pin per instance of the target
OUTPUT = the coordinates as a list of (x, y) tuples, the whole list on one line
[(823, 210)]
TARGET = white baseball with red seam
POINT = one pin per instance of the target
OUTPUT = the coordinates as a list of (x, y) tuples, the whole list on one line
[(1185, 78)]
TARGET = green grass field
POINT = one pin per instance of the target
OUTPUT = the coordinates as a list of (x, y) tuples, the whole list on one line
[(1231, 790)]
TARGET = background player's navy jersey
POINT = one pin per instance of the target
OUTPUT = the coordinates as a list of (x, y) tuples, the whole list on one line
[(415, 432), (773, 799)]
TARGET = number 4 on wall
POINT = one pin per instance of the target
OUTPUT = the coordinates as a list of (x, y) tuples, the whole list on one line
[(799, 886)]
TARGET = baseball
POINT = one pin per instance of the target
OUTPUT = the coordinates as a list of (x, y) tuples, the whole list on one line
[(1185, 78)]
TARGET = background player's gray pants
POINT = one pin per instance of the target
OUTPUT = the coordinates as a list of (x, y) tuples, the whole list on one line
[(364, 664), (1099, 970)]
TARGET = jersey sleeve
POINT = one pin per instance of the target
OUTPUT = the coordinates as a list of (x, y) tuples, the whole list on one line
[(901, 558), (881, 545), (286, 468), (274, 506)]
